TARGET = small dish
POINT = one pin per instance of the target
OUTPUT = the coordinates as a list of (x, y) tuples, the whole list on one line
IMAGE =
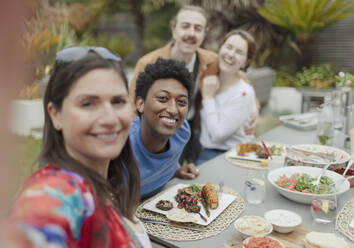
[(272, 242), (249, 226), (283, 221)]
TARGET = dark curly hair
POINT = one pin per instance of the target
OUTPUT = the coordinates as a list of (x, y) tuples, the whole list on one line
[(163, 68)]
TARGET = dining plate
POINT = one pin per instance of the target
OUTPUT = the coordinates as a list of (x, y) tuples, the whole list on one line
[(305, 121), (224, 201), (294, 158), (279, 152)]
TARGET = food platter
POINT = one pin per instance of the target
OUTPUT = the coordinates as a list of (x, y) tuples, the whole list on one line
[(340, 157), (224, 201), (277, 151)]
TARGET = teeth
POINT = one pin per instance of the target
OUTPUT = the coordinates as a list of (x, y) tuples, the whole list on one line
[(228, 61), (169, 120), (107, 136)]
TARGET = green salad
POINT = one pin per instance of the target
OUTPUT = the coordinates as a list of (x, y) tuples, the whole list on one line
[(305, 183)]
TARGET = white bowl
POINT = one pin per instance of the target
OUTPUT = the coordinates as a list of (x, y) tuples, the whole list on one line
[(245, 235), (283, 221), (300, 197), (245, 242)]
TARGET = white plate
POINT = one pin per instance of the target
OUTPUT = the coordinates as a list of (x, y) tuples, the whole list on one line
[(305, 121), (224, 201), (300, 197), (339, 155), (252, 155)]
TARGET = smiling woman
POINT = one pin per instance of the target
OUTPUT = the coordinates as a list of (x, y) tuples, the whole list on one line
[(229, 103), (87, 194)]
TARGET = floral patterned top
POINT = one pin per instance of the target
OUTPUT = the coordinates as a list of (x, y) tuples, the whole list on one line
[(58, 208)]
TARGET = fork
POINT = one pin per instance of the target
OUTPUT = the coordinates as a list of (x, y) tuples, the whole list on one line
[(221, 185), (220, 190)]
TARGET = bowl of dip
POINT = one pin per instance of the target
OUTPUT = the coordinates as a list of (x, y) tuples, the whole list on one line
[(249, 226), (283, 221)]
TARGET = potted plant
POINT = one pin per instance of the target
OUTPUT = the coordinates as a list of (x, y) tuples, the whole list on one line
[(27, 111), (313, 81)]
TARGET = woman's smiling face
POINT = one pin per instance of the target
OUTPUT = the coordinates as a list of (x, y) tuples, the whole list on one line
[(233, 54), (95, 117), (164, 108)]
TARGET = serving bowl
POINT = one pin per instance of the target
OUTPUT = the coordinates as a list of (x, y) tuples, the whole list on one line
[(246, 241), (283, 221), (301, 197), (292, 158), (253, 224)]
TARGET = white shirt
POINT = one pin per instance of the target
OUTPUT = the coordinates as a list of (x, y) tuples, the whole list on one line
[(224, 117)]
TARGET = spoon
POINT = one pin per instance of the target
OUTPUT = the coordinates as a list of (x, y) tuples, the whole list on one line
[(317, 182), (348, 167), (340, 181)]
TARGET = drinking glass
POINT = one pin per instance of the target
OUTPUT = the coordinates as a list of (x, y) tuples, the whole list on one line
[(324, 206), (350, 124), (254, 188)]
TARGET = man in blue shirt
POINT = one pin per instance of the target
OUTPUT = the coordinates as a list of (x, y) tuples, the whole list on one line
[(160, 133)]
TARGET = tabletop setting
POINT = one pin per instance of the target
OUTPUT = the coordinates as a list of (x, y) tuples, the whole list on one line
[(279, 191)]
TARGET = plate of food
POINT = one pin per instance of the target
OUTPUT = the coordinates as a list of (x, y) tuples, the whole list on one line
[(199, 204), (256, 152), (316, 156), (262, 241)]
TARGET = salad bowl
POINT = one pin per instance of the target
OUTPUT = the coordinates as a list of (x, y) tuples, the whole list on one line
[(313, 172)]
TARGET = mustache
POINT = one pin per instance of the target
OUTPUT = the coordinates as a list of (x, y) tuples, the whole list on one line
[(189, 39)]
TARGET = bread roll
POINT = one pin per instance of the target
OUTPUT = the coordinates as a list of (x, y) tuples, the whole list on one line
[(324, 240), (210, 195)]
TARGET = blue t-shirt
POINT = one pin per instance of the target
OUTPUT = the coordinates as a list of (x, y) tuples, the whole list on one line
[(157, 168)]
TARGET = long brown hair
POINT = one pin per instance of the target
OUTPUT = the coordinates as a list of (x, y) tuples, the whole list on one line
[(122, 187)]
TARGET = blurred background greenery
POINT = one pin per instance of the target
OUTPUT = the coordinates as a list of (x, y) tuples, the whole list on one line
[(284, 31)]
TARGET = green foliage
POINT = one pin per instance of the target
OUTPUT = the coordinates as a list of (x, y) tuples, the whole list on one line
[(304, 17), (158, 32), (118, 43), (316, 76)]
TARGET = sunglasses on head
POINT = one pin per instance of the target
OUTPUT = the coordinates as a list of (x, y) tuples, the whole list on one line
[(70, 54)]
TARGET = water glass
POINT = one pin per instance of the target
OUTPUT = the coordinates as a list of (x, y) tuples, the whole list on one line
[(254, 188), (324, 206), (350, 124)]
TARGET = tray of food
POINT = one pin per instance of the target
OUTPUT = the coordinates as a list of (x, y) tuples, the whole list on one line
[(199, 204), (256, 152)]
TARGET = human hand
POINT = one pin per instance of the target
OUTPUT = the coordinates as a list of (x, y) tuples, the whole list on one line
[(188, 171), (252, 126), (210, 86)]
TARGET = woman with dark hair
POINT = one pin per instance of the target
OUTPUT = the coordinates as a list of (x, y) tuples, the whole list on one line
[(88, 193), (229, 103)]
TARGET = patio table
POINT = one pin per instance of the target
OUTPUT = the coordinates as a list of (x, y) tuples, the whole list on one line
[(219, 169)]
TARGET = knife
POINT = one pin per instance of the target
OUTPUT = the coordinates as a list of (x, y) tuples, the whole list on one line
[(147, 220)]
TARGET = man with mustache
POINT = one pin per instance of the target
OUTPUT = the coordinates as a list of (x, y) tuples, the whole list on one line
[(189, 28)]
